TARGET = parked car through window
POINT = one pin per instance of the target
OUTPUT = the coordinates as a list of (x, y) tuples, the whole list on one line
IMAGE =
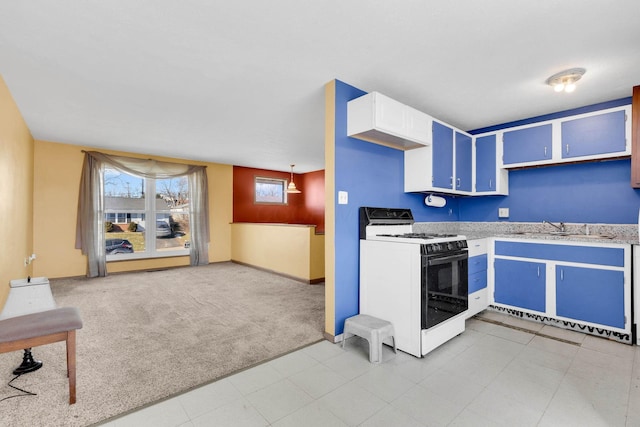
[(163, 229), (118, 246)]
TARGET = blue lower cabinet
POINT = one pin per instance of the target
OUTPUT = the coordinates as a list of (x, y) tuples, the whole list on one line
[(591, 295), (520, 284), (477, 263), (477, 273), (477, 281)]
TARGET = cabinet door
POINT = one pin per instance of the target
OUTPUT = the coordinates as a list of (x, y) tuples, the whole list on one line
[(590, 294), (527, 145), (416, 124), (389, 114), (442, 156), (477, 273), (477, 263), (600, 134), (477, 281), (486, 163), (463, 162), (520, 284)]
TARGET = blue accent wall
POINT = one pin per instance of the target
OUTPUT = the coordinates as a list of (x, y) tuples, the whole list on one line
[(373, 175), (598, 192)]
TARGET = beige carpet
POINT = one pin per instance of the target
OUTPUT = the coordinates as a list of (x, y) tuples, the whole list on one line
[(150, 335)]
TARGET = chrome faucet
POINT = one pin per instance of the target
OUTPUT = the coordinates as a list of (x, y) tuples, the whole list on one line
[(557, 227)]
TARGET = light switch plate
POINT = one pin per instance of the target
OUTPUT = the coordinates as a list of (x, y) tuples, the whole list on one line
[(503, 212), (343, 197)]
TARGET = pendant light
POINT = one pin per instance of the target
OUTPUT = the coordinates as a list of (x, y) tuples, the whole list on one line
[(292, 185)]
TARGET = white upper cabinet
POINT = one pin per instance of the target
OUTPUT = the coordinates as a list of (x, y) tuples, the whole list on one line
[(379, 119)]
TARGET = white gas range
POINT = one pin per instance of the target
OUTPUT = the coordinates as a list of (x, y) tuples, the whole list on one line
[(417, 281)]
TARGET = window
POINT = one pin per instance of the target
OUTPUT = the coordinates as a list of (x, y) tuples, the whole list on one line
[(146, 217), (270, 191)]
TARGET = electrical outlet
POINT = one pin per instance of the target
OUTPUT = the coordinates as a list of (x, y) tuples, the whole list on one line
[(503, 212)]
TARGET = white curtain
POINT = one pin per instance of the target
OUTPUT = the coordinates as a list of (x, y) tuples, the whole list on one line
[(90, 228)]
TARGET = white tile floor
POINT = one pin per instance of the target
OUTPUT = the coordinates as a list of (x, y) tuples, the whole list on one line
[(491, 375)]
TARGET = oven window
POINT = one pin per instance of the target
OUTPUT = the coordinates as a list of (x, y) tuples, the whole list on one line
[(445, 292)]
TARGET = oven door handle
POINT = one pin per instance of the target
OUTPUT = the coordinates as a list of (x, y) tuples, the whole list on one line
[(448, 259)]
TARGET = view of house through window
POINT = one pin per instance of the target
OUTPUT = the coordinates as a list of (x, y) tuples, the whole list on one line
[(270, 190), (145, 217)]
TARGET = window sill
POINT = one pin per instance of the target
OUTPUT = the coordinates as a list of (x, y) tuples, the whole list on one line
[(143, 255)]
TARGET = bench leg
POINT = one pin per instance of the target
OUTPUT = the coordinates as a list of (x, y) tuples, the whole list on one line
[(71, 365)]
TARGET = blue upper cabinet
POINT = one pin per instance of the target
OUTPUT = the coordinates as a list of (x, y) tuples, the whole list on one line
[(593, 135), (531, 144), (442, 156), (463, 162), (590, 136), (444, 166), (454, 162), (486, 163)]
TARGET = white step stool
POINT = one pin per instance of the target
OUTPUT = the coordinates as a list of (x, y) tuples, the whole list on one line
[(373, 330)]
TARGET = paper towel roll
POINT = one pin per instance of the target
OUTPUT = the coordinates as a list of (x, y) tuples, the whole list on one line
[(435, 201)]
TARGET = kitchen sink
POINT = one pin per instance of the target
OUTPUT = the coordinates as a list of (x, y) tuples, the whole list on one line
[(593, 236), (563, 234)]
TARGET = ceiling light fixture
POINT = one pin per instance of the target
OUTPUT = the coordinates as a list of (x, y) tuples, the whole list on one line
[(292, 185), (566, 80)]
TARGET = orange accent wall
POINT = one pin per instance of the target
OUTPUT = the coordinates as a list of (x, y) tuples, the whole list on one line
[(304, 208)]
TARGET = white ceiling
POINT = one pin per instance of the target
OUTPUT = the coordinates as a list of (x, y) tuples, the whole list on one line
[(241, 82)]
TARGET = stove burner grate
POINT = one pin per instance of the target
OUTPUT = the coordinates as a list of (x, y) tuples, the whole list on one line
[(419, 235)]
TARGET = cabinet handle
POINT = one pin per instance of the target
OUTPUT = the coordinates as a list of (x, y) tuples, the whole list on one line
[(567, 148), (458, 181), (477, 298), (545, 151), (561, 274), (451, 182), (538, 271), (490, 183)]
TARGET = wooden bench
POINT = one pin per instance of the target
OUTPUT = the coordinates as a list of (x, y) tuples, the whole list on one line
[(44, 327)]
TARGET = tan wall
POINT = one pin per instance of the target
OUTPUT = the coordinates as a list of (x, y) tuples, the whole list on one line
[(16, 192), (284, 248), (329, 192), (317, 256), (56, 183)]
